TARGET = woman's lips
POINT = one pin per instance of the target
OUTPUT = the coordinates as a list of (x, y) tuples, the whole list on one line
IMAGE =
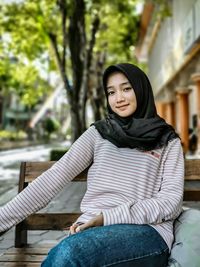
[(122, 107)]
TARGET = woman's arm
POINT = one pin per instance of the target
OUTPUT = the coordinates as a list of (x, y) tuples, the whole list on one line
[(40, 192), (166, 205)]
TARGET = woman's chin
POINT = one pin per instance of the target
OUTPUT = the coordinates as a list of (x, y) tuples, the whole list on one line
[(124, 113)]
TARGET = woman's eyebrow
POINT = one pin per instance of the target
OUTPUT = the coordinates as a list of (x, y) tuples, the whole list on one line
[(109, 87), (124, 83)]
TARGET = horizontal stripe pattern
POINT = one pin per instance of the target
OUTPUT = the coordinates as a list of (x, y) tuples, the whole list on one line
[(126, 185)]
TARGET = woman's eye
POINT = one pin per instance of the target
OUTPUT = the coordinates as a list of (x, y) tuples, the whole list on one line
[(127, 88), (110, 92)]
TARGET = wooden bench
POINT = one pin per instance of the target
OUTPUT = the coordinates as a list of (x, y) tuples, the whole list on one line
[(25, 255)]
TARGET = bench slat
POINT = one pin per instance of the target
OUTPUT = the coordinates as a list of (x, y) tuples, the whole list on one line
[(20, 257), (50, 221), (30, 256), (20, 264), (191, 195), (192, 169), (34, 251), (34, 169), (39, 165), (33, 175)]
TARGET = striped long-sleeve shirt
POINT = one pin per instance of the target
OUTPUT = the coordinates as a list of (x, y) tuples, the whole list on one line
[(126, 185)]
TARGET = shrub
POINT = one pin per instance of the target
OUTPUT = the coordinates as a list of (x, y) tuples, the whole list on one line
[(56, 154), (51, 125), (12, 136)]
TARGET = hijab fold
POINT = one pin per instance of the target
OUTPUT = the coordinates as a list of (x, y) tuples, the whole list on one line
[(144, 129)]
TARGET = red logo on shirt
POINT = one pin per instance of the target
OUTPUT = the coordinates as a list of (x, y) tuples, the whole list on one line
[(153, 153)]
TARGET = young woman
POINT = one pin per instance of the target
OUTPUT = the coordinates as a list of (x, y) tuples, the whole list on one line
[(134, 187)]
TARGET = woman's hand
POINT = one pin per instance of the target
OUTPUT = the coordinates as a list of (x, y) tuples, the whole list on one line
[(97, 221), (73, 228)]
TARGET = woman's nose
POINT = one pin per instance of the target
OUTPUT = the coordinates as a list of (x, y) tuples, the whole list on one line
[(119, 97)]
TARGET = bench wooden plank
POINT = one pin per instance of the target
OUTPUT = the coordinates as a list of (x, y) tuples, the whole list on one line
[(20, 257), (191, 195), (20, 264), (40, 245), (50, 221), (192, 169), (30, 256), (34, 169), (39, 165), (28, 250)]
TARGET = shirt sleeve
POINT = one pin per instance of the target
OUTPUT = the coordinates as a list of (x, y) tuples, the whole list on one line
[(40, 192), (167, 203)]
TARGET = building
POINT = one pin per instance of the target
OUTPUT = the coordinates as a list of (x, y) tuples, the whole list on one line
[(171, 47)]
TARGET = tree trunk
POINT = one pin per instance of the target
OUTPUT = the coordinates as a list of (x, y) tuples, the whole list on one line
[(75, 123), (77, 45), (81, 58), (86, 72), (97, 96)]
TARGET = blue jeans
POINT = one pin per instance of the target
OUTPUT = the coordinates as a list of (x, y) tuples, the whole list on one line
[(127, 245)]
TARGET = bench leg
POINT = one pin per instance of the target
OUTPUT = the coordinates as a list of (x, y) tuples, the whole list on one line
[(20, 236)]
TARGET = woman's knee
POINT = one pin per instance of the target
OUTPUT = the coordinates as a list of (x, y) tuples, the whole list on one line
[(62, 255)]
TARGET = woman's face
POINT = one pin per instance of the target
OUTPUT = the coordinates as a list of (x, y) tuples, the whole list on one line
[(121, 96)]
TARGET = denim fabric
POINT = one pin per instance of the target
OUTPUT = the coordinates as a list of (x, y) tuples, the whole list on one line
[(113, 245)]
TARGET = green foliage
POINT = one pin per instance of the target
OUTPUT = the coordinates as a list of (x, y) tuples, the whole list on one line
[(56, 154), (22, 79), (30, 22), (29, 85), (119, 29), (23, 40)]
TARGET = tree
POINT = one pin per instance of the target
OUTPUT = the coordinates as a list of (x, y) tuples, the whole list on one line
[(73, 33)]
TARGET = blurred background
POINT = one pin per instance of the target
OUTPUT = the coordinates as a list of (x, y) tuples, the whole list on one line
[(53, 53)]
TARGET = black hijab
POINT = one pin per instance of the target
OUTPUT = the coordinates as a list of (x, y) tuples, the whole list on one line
[(144, 129)]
